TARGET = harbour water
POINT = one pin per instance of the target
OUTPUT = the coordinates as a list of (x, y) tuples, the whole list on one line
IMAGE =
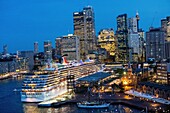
[(10, 102)]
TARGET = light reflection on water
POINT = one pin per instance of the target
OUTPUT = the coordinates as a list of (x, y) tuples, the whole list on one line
[(10, 102), (32, 108)]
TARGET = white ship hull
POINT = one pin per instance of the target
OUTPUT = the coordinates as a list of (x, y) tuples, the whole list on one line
[(42, 96), (47, 84)]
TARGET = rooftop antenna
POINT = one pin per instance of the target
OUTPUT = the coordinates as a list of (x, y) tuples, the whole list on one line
[(153, 19), (88, 3)]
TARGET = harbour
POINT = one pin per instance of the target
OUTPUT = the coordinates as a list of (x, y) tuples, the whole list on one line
[(119, 102), (11, 102)]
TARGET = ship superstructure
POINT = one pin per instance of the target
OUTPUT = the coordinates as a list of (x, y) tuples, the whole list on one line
[(51, 82)]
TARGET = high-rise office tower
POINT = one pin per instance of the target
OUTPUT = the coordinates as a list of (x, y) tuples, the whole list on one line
[(108, 41), (122, 37), (132, 25), (168, 29), (58, 42), (69, 46), (84, 27), (142, 49), (167, 50), (163, 72), (5, 49), (29, 55), (35, 47), (155, 44), (165, 26), (133, 39), (47, 51)]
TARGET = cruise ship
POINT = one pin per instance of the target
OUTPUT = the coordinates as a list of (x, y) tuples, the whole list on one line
[(51, 82)]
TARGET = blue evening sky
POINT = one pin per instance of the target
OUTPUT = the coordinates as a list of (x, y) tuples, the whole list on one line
[(22, 22)]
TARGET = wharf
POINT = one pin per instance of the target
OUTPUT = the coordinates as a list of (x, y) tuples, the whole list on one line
[(112, 99)]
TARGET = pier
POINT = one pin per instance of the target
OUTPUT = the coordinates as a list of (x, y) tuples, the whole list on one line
[(115, 99)]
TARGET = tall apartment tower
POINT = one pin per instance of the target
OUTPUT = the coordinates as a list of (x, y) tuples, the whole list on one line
[(155, 44), (47, 50), (122, 37), (84, 27), (35, 47)]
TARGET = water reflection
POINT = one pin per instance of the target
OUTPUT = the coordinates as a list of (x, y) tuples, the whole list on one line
[(32, 108), (10, 102)]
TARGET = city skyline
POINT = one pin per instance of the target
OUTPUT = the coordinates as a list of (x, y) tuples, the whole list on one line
[(37, 21)]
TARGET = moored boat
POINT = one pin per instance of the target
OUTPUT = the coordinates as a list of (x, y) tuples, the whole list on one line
[(95, 104)]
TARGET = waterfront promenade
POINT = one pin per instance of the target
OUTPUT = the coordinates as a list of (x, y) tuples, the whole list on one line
[(118, 98)]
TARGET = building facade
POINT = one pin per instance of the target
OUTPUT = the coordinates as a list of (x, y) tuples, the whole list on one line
[(163, 73), (142, 48), (108, 41), (5, 49), (35, 47), (155, 44), (58, 46), (84, 27), (168, 29), (47, 51), (167, 50), (158, 90), (122, 37), (29, 56), (165, 26), (133, 39), (70, 47)]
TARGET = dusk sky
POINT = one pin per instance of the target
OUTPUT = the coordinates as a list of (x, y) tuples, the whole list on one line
[(22, 22)]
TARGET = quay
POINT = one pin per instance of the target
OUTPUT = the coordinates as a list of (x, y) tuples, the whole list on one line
[(118, 98)]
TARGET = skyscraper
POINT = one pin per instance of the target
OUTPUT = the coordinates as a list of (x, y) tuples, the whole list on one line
[(5, 49), (168, 29), (165, 26), (69, 47), (132, 25), (35, 47), (29, 55), (133, 39), (47, 50), (108, 41), (155, 44), (142, 49), (122, 37), (84, 27), (58, 44)]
